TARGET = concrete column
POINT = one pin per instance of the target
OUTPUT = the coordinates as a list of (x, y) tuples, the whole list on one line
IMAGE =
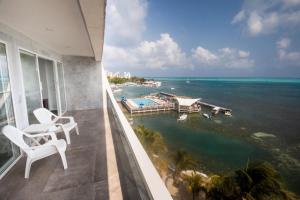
[(83, 82)]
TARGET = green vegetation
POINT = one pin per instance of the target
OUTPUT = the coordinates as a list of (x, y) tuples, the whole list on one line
[(194, 184), (154, 145), (151, 140), (182, 161), (257, 181), (119, 80)]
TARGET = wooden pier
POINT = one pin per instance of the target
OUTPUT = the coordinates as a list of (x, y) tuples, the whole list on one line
[(222, 109), (147, 109), (167, 94)]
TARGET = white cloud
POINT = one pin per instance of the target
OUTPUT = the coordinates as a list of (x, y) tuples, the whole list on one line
[(125, 21), (161, 54), (224, 57), (203, 55), (290, 57), (239, 17), (165, 53), (283, 43), (125, 47), (288, 3), (265, 17), (255, 25), (243, 54)]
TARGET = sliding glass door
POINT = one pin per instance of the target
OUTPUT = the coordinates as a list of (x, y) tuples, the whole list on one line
[(8, 151), (31, 84), (61, 83), (48, 84)]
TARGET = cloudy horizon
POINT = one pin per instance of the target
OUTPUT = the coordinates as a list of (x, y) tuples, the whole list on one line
[(168, 38)]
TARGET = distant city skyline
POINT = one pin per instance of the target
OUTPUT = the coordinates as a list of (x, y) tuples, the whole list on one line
[(203, 38)]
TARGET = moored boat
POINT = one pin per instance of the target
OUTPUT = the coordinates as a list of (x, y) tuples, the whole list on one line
[(206, 115), (182, 117), (228, 113)]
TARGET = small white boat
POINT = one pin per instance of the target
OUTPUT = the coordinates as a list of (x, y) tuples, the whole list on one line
[(172, 88), (228, 113), (182, 117), (206, 115), (216, 110), (187, 81)]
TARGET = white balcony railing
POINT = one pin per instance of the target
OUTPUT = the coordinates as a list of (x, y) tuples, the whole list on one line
[(155, 186)]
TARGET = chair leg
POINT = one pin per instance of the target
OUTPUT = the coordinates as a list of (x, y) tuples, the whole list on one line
[(67, 134), (77, 131), (28, 166), (63, 159)]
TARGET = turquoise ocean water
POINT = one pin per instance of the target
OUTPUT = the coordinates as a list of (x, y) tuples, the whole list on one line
[(225, 143)]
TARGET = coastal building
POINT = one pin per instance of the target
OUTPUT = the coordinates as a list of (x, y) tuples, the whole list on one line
[(118, 75), (127, 75), (50, 56), (185, 105)]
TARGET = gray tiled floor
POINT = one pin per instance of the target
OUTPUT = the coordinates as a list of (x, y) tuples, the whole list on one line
[(86, 177)]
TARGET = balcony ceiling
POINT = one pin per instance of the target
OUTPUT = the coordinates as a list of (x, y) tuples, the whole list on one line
[(69, 27)]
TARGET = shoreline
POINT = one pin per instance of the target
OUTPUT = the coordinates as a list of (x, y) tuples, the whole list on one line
[(238, 127)]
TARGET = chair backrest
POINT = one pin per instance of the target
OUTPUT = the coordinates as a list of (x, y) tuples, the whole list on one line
[(15, 135), (43, 115)]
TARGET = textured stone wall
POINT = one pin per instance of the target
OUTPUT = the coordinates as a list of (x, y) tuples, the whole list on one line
[(83, 82)]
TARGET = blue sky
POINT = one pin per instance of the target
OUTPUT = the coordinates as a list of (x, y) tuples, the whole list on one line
[(203, 38)]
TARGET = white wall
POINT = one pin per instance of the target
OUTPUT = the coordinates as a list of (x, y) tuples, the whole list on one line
[(15, 40)]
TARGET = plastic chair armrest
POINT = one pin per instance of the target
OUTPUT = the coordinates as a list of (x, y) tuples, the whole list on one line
[(51, 134)]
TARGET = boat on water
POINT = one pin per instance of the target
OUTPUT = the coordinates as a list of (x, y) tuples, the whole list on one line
[(215, 110), (187, 81), (172, 88), (206, 115), (228, 113), (182, 117)]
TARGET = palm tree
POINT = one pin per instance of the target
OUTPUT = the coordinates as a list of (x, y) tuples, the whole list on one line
[(154, 145), (194, 184), (182, 161), (265, 182), (151, 140), (258, 181)]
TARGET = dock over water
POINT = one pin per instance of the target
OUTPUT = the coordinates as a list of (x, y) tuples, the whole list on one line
[(168, 103), (168, 94), (214, 106)]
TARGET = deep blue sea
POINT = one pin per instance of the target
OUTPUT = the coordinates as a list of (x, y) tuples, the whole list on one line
[(265, 105)]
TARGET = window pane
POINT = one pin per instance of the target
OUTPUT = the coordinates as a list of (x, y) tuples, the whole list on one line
[(3, 66), (8, 151), (31, 84)]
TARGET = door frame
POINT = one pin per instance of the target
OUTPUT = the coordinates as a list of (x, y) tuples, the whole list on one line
[(62, 112), (54, 66), (54, 61), (8, 68)]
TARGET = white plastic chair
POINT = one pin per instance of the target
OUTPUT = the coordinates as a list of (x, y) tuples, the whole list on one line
[(38, 152), (44, 116)]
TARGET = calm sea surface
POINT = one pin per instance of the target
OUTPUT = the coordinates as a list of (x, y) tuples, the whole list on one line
[(270, 106)]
